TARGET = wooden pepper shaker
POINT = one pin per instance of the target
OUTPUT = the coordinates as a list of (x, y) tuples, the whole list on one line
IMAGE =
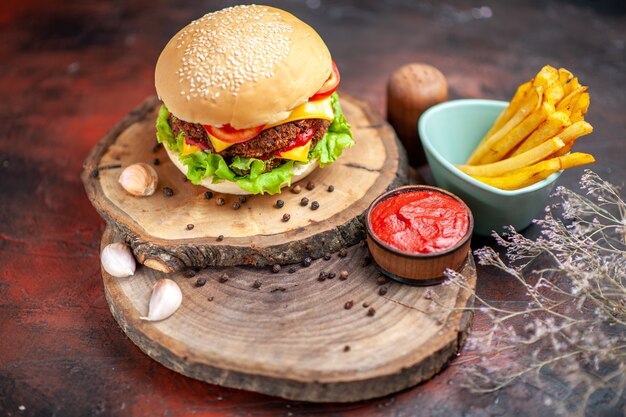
[(411, 90)]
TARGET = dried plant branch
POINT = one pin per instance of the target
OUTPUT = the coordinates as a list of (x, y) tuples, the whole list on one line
[(574, 322)]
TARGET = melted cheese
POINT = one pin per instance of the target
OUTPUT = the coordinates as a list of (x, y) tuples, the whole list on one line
[(319, 109), (189, 149), (301, 153), (219, 145)]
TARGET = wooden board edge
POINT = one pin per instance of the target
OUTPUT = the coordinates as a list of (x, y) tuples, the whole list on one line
[(457, 327), (158, 254)]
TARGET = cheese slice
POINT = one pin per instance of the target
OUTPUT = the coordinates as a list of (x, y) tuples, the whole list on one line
[(318, 109), (300, 153), (219, 145), (189, 149)]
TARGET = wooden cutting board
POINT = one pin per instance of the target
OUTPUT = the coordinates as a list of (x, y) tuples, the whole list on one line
[(290, 335), (293, 336), (156, 226)]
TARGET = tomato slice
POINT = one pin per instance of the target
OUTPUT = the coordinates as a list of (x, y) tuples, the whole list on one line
[(329, 86), (229, 134)]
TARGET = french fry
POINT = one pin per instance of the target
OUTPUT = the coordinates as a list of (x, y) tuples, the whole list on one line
[(513, 106), (565, 105), (531, 102), (576, 130), (524, 177), (533, 137), (571, 85), (500, 168), (565, 76), (571, 134), (502, 147), (550, 127), (547, 76), (565, 149), (554, 93), (579, 109)]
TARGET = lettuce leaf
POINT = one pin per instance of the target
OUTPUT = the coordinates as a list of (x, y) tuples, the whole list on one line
[(249, 173), (164, 131), (337, 137), (269, 182)]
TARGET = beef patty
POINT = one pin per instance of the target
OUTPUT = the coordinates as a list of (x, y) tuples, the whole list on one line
[(263, 145)]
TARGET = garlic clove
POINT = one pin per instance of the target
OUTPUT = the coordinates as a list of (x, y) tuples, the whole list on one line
[(165, 299), (139, 179), (118, 260)]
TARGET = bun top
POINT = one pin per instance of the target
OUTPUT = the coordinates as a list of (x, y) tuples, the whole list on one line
[(244, 66)]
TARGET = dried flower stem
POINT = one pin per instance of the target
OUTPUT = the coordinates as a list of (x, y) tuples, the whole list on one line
[(574, 321)]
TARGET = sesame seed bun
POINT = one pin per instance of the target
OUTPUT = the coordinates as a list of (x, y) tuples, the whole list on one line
[(229, 187), (245, 66)]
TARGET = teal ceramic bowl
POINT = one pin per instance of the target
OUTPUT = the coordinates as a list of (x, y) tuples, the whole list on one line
[(449, 133)]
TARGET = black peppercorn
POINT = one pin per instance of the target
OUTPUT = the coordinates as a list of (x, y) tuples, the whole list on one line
[(220, 238), (331, 188), (168, 192), (208, 195), (286, 217), (223, 278), (190, 273), (327, 256), (307, 261), (257, 284), (200, 282), (220, 201), (310, 186), (236, 205), (291, 269), (382, 291), (280, 203), (243, 199), (315, 205), (190, 226), (276, 268), (156, 161), (348, 305), (304, 202), (371, 312)]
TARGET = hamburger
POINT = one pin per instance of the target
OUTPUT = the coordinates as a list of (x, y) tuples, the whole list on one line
[(249, 101)]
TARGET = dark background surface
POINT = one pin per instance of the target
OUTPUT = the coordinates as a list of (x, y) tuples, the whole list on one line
[(70, 70)]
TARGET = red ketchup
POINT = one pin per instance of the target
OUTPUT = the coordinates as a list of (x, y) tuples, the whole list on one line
[(192, 142), (420, 221), (301, 139)]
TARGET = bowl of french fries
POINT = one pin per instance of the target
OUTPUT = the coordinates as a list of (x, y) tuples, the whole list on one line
[(503, 158)]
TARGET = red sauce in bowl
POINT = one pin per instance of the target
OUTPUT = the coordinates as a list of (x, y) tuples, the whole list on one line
[(420, 221)]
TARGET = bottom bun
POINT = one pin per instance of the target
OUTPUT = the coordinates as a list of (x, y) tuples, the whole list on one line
[(229, 187)]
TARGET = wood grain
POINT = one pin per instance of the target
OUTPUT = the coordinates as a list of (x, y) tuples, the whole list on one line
[(156, 226), (293, 337)]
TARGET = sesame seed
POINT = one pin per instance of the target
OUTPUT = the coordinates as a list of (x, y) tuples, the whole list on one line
[(256, 48)]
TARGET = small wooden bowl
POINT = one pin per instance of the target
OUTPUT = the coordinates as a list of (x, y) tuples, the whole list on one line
[(417, 268)]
